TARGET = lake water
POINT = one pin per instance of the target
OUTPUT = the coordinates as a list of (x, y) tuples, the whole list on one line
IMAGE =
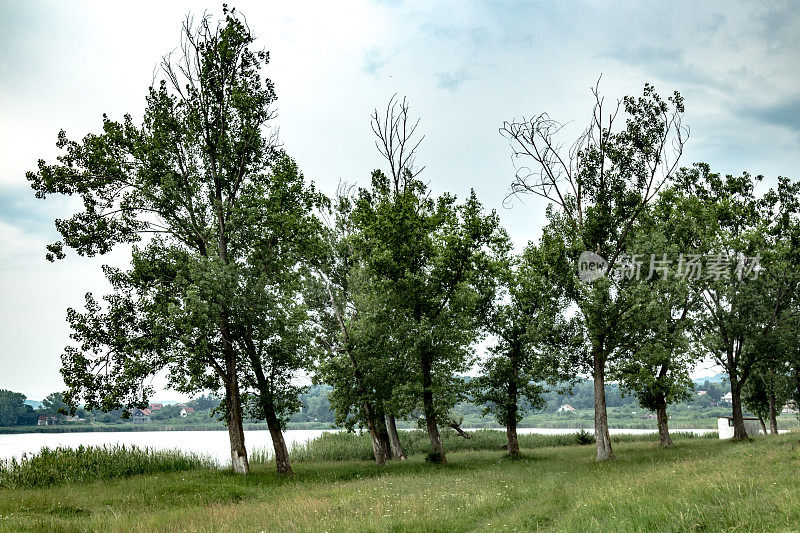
[(211, 443)]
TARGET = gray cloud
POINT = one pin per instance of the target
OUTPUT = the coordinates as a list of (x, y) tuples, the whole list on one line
[(452, 80), (784, 113), (669, 63), (63, 65), (374, 60), (20, 208), (647, 55)]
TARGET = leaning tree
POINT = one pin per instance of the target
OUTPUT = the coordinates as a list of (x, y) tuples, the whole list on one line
[(273, 325), (659, 357)]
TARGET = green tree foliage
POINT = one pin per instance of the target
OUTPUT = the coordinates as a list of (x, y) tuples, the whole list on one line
[(598, 189), (316, 406), (272, 325), (660, 358), (749, 292), (528, 324), (434, 261), (204, 402), (14, 411), (771, 383), (362, 359), (54, 404), (167, 412), (411, 282), (192, 175)]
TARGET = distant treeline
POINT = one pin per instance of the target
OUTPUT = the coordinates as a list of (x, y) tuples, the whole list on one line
[(315, 407), (14, 411)]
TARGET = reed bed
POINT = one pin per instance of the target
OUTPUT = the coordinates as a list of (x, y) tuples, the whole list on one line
[(60, 466)]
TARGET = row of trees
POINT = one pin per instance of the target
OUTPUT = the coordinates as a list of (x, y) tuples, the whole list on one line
[(243, 275), (315, 405)]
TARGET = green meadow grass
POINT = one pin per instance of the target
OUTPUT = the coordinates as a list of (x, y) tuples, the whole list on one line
[(343, 446), (699, 485)]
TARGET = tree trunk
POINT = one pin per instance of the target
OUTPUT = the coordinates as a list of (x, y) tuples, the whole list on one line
[(386, 442), (377, 446), (511, 408), (233, 408), (763, 425), (383, 432), (663, 424), (601, 434), (430, 412), (233, 399), (457, 426), (278, 443), (511, 433), (773, 415), (394, 438), (268, 407), (739, 431)]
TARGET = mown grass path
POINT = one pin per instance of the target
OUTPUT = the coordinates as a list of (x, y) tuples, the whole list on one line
[(700, 485)]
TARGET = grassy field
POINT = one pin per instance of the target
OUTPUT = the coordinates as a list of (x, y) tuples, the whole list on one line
[(347, 446), (701, 484)]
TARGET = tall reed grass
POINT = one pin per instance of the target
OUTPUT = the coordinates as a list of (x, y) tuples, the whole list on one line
[(88, 463)]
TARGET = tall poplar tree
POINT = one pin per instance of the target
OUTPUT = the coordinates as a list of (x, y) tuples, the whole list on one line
[(434, 261), (598, 188), (186, 175)]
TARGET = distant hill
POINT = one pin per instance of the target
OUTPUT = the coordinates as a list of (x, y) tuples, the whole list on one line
[(37, 404), (716, 378)]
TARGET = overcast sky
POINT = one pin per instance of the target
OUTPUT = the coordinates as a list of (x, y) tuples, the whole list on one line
[(465, 67)]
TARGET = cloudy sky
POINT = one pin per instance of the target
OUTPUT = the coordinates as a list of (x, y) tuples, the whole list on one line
[(465, 67)]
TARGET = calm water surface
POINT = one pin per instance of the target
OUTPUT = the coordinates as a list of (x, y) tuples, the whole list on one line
[(211, 443)]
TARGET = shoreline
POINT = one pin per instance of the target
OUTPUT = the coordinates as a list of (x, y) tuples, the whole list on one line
[(577, 424), (144, 428)]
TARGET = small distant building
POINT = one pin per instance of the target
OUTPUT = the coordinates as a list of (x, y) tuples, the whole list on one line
[(725, 426), (727, 398), (566, 408), (789, 407), (186, 411), (155, 407), (702, 392), (140, 416), (47, 420)]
